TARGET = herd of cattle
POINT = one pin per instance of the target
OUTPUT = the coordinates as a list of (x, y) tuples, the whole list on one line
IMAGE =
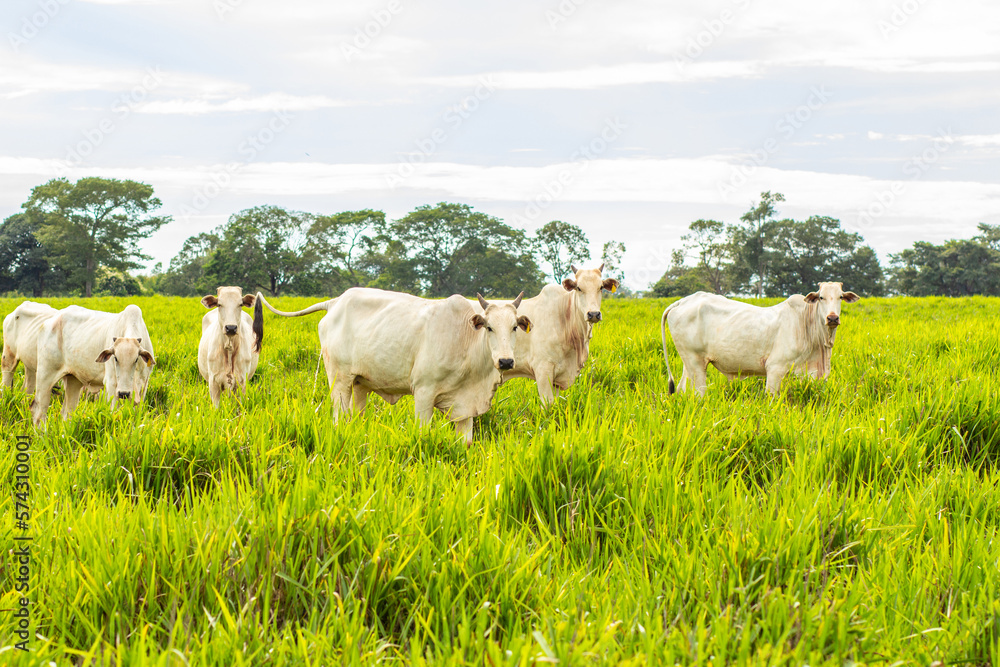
[(450, 354)]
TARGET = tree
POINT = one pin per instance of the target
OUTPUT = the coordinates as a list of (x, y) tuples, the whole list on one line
[(23, 267), (803, 254), (708, 239), (680, 280), (611, 257), (93, 223), (455, 250), (961, 267), (186, 274), (339, 243), (750, 254), (265, 247), (562, 245)]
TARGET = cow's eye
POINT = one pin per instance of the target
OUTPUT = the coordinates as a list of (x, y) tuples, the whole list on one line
[(490, 329), (515, 328), (578, 289)]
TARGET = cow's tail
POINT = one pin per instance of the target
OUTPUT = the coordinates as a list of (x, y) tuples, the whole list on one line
[(258, 324), (315, 308), (663, 338)]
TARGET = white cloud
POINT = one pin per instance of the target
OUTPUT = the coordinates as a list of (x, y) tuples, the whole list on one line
[(270, 102)]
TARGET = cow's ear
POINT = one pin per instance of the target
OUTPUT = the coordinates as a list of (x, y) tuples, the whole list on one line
[(209, 301), (104, 356), (248, 300), (849, 297), (524, 323), (478, 321), (812, 297), (569, 284), (147, 357), (610, 284)]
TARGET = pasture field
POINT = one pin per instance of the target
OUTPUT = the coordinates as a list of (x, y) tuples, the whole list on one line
[(848, 521)]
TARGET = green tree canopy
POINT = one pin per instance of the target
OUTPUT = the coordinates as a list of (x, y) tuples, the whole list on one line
[(93, 223), (23, 267), (561, 245), (456, 250), (266, 248)]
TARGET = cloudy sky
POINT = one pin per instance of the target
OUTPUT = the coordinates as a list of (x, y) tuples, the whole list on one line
[(629, 118)]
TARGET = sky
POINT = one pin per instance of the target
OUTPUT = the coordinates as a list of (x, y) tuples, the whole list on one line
[(628, 118)]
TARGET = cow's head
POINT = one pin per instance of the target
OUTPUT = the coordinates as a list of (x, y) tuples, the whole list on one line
[(590, 287), (230, 302), (129, 359), (501, 324), (828, 300)]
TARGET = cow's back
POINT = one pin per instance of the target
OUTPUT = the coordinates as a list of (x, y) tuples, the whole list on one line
[(734, 336), (376, 335), (20, 330)]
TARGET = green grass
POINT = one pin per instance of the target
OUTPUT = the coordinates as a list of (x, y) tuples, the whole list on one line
[(853, 520)]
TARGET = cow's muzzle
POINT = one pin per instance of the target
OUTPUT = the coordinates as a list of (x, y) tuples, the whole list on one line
[(231, 329), (124, 394), (832, 320), (505, 364), (594, 316)]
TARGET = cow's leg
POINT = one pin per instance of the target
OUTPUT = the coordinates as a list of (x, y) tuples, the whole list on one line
[(8, 364), (543, 378), (775, 374), (45, 380), (73, 390), (464, 427), (340, 394), (423, 405), (695, 368), (214, 389), (360, 398), (29, 381)]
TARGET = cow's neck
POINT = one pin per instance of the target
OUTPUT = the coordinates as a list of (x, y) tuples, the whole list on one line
[(577, 329), (821, 337)]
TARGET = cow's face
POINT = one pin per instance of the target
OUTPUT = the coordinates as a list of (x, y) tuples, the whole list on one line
[(230, 302), (829, 298), (128, 358), (589, 286), (501, 324)]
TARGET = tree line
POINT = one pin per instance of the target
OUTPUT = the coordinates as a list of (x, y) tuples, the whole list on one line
[(83, 238)]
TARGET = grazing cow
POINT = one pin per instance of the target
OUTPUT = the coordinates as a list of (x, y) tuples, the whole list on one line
[(230, 341), (87, 349), (562, 319), (740, 339), (20, 341), (442, 352)]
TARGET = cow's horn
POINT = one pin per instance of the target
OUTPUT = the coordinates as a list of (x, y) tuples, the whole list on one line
[(601, 267), (517, 301), (482, 301)]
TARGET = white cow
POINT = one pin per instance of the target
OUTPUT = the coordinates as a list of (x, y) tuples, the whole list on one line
[(88, 349), (442, 352), (230, 341), (20, 341), (562, 318), (740, 339)]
